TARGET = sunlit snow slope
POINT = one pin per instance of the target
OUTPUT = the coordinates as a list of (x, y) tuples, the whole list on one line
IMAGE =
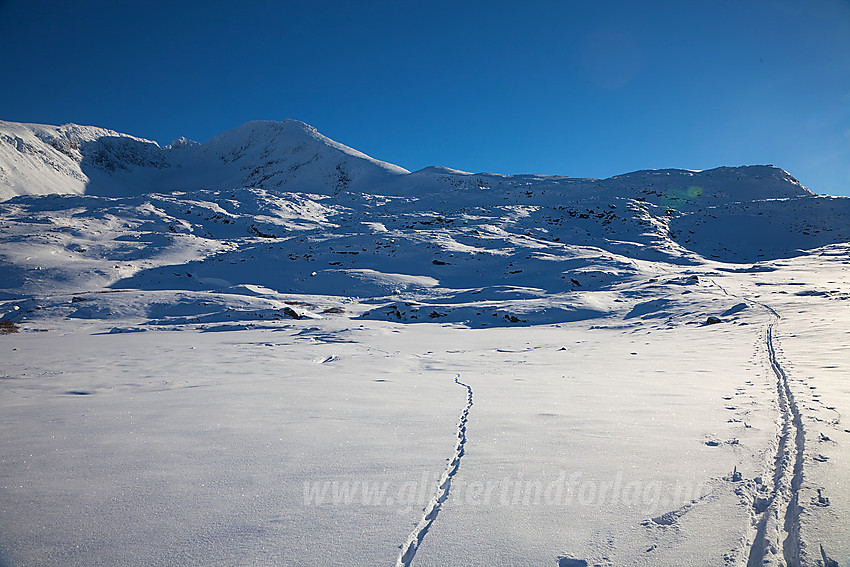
[(654, 323)]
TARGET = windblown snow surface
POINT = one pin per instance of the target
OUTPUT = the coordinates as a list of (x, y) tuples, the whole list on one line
[(271, 349)]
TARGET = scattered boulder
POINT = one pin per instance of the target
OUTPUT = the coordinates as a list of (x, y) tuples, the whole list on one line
[(8, 327)]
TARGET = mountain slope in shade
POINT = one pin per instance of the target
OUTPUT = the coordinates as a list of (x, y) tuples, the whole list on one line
[(36, 159)]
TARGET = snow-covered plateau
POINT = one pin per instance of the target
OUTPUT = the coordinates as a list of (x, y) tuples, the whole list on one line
[(272, 349)]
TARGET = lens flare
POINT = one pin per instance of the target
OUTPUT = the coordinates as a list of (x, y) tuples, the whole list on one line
[(694, 191), (675, 198)]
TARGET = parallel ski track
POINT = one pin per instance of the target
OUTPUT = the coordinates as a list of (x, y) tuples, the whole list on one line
[(777, 539), (414, 540)]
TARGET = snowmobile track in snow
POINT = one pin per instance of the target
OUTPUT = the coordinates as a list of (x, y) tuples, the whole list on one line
[(414, 540), (777, 539)]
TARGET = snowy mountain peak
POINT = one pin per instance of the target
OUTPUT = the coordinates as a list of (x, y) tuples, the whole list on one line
[(43, 159), (294, 144), (182, 142)]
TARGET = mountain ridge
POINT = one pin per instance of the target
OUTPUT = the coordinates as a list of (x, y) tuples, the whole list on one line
[(285, 155), (46, 159), (278, 206)]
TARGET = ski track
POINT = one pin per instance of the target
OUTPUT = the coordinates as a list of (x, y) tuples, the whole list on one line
[(777, 540), (414, 540)]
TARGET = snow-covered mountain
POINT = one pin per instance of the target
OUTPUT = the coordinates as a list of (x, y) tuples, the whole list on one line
[(278, 205), (630, 324), (292, 156), (275, 180), (40, 159)]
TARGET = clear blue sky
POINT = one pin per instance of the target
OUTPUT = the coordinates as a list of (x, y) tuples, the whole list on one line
[(585, 89)]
